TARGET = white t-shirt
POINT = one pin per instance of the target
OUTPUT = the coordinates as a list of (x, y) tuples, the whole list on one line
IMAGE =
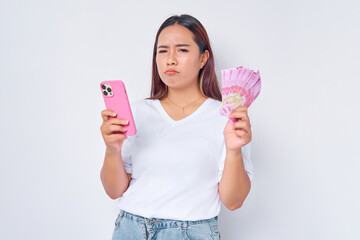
[(176, 165)]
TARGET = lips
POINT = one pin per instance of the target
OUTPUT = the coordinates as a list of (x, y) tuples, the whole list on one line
[(171, 72)]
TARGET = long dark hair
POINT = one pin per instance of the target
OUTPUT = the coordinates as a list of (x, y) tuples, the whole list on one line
[(208, 82)]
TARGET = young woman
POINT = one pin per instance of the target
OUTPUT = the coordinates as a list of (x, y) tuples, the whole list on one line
[(170, 177)]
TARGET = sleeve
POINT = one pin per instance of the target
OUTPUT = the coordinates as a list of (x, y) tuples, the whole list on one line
[(126, 154), (246, 152)]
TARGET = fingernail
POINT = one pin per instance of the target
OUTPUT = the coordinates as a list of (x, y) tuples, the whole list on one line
[(114, 114)]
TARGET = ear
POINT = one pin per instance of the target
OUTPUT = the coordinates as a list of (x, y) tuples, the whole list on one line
[(204, 58)]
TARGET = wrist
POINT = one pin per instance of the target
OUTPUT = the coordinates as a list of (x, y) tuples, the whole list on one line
[(234, 154), (111, 150), (233, 151)]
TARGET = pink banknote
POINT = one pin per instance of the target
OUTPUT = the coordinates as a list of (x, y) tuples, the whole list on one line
[(240, 87)]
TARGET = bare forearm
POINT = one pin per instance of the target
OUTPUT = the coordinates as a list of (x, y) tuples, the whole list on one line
[(235, 184), (113, 175)]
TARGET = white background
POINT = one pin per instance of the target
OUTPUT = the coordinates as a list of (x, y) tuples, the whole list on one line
[(305, 151)]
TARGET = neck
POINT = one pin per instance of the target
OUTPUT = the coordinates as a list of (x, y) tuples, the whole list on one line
[(183, 97)]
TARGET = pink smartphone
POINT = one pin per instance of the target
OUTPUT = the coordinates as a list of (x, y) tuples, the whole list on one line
[(116, 99)]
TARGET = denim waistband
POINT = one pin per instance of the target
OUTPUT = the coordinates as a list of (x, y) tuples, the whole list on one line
[(160, 222)]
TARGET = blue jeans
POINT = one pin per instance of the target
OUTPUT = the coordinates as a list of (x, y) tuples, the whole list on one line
[(129, 226)]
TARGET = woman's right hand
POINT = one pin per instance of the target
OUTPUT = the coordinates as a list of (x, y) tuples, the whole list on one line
[(112, 130)]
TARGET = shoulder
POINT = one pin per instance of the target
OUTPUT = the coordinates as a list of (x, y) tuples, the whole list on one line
[(143, 107), (215, 101), (214, 105), (214, 112), (142, 103)]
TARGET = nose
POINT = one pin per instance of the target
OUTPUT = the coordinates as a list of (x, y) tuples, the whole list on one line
[(171, 58)]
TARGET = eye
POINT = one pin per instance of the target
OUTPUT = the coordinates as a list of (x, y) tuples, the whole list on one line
[(162, 51), (183, 50)]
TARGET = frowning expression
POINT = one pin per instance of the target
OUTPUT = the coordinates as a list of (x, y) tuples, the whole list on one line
[(178, 57)]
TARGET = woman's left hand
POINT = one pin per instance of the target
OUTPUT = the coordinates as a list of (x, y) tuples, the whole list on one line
[(238, 134)]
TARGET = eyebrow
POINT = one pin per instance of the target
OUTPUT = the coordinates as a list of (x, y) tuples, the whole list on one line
[(177, 45)]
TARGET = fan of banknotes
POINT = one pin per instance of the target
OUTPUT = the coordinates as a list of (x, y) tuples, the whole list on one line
[(240, 87)]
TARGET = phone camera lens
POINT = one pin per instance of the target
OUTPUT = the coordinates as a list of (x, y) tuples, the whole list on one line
[(109, 89), (103, 86), (105, 93)]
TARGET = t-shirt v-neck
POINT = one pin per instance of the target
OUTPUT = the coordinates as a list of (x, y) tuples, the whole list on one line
[(167, 117)]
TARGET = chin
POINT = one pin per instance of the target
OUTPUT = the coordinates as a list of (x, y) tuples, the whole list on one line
[(171, 82)]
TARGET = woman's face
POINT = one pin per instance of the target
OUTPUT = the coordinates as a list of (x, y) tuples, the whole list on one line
[(178, 57)]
